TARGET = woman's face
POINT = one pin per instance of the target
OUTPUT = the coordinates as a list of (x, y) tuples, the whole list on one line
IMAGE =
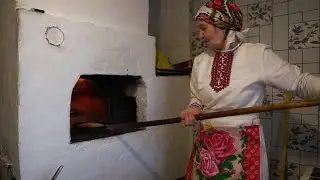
[(214, 37)]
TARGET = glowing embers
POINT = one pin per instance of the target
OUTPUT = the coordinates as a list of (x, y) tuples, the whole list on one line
[(99, 100)]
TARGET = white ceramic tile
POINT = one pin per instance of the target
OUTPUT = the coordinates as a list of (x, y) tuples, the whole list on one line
[(305, 172), (299, 66), (244, 10), (254, 31), (278, 1), (318, 151), (302, 5), (303, 137), (310, 119), (260, 14), (307, 110), (253, 39), (265, 115), (274, 169), (311, 15), (304, 35), (268, 149), (280, 32), (308, 158), (293, 171), (277, 129), (266, 124), (311, 68), (295, 56), (245, 2), (292, 174), (293, 156), (311, 55), (266, 35), (295, 118), (280, 9), (295, 18), (245, 22), (283, 54), (275, 153)]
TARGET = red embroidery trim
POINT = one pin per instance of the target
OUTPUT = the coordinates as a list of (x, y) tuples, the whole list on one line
[(221, 70), (190, 164), (199, 136), (251, 153)]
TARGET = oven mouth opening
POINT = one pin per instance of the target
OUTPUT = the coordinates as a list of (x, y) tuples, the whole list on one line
[(100, 100)]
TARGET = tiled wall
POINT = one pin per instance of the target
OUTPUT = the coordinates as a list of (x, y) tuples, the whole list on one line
[(291, 27)]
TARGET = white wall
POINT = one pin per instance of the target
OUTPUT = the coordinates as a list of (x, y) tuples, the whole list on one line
[(127, 15), (8, 83), (173, 36), (47, 77)]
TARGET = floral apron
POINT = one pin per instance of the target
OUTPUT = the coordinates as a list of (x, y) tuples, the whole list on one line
[(221, 153)]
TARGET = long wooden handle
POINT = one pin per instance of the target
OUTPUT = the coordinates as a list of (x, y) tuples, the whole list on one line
[(235, 112)]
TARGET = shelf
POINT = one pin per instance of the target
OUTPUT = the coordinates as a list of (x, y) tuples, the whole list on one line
[(173, 72)]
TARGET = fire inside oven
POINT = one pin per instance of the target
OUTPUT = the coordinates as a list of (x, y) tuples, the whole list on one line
[(99, 100)]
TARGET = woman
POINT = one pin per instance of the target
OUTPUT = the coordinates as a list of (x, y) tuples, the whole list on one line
[(233, 74)]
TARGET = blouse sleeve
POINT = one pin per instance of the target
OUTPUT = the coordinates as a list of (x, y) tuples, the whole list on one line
[(282, 75), (194, 95)]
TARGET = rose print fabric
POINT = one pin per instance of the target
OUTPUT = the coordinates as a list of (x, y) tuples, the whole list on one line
[(225, 153), (252, 153)]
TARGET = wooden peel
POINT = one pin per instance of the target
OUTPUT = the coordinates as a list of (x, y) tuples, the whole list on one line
[(235, 112)]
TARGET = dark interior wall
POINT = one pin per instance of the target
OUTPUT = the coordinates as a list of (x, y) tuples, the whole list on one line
[(154, 18)]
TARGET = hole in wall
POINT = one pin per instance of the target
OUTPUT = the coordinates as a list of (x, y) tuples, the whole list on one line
[(100, 100), (54, 36)]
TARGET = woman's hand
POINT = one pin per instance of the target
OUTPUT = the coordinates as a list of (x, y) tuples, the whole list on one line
[(188, 115)]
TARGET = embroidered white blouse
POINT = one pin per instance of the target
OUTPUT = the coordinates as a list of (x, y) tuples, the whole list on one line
[(254, 66)]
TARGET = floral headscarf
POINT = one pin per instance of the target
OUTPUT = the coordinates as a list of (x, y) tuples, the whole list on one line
[(221, 13)]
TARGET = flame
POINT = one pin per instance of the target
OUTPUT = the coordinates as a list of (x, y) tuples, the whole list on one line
[(88, 103)]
